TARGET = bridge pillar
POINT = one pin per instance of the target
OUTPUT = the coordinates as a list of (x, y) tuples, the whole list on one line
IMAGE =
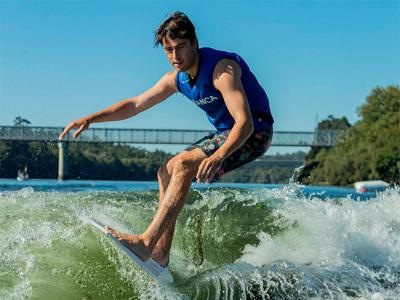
[(62, 160)]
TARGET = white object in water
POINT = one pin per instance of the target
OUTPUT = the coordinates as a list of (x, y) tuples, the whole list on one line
[(149, 266), (23, 175), (370, 186)]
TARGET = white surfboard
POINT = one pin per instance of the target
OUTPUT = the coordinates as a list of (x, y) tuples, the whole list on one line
[(149, 266)]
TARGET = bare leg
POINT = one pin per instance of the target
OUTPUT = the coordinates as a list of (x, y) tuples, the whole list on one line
[(174, 198), (161, 251)]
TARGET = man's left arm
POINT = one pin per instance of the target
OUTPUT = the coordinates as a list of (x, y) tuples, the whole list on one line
[(227, 80)]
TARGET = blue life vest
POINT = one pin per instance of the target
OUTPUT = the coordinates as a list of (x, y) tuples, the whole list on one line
[(204, 95)]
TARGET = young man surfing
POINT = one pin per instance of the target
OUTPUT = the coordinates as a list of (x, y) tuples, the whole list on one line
[(223, 86)]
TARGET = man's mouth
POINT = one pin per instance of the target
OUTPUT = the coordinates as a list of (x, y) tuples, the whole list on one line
[(178, 63)]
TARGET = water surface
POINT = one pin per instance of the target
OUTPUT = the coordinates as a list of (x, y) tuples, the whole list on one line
[(232, 241)]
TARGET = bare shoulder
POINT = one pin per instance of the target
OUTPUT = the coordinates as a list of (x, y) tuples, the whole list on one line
[(160, 91), (227, 71), (168, 80)]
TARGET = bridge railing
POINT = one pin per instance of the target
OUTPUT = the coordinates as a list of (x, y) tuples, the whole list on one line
[(158, 136)]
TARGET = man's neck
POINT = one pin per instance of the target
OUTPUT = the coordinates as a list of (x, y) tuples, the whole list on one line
[(192, 71)]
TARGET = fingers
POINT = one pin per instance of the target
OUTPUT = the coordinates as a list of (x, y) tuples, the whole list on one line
[(200, 171), (210, 172), (82, 124), (207, 170), (78, 132), (203, 170), (66, 130)]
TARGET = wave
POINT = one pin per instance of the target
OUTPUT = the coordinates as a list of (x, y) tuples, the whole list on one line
[(230, 243)]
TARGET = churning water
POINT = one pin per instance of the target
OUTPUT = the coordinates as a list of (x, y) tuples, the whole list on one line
[(231, 242)]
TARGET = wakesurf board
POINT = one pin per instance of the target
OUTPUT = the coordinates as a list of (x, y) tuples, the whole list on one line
[(149, 266)]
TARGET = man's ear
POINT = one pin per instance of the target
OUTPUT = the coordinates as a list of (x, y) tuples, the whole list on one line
[(196, 43)]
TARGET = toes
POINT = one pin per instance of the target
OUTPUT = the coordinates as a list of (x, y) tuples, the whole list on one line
[(119, 235), (112, 231)]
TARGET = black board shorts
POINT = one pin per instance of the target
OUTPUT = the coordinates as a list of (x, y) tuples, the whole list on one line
[(255, 146)]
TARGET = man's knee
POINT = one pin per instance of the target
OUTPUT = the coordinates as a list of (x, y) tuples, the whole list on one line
[(185, 162), (165, 170), (186, 165)]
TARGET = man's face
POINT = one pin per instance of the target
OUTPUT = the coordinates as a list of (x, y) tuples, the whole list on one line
[(181, 53)]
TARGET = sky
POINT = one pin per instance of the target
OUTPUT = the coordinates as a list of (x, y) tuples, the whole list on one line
[(62, 60)]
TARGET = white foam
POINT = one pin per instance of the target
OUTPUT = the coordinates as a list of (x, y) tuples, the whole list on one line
[(328, 233)]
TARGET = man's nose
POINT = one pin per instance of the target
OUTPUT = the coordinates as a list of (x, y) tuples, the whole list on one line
[(175, 55)]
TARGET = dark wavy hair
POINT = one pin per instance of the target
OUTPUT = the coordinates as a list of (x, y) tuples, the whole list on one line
[(178, 25)]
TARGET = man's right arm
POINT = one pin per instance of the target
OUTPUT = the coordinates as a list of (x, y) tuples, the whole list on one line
[(125, 109)]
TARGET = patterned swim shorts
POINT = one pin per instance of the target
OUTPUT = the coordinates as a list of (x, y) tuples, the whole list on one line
[(255, 146)]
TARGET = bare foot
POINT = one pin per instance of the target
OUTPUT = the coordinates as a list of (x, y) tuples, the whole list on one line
[(134, 243)]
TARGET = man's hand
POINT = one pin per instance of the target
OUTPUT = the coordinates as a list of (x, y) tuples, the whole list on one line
[(208, 168), (81, 124)]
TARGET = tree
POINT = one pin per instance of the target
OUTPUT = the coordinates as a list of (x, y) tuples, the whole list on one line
[(371, 150), (19, 121), (332, 123), (381, 102)]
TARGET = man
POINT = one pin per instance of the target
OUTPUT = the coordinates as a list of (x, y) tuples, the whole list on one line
[(223, 86)]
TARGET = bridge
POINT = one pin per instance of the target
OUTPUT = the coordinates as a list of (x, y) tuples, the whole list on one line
[(160, 137)]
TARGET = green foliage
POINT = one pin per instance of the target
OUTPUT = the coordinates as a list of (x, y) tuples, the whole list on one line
[(332, 123), (380, 105), (246, 174), (18, 121), (85, 161), (103, 161), (371, 149)]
